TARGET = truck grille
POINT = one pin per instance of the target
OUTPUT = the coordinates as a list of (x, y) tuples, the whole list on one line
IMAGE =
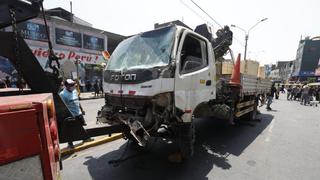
[(132, 102)]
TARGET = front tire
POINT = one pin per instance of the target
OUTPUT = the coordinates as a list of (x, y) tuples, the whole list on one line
[(186, 139)]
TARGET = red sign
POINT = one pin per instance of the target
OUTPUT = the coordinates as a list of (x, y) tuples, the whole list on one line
[(42, 55)]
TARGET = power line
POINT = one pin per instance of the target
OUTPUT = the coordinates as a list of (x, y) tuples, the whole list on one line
[(195, 12), (206, 13), (236, 39)]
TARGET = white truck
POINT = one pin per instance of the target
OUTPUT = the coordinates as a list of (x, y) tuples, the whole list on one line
[(158, 81)]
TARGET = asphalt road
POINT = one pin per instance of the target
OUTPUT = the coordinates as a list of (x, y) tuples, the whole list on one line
[(284, 145), (91, 108)]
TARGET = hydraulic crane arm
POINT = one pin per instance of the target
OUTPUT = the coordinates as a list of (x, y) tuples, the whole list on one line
[(17, 51), (221, 44)]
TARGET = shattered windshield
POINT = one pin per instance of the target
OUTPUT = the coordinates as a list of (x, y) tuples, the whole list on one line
[(146, 50)]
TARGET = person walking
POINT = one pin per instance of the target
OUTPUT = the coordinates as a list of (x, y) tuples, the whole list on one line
[(2, 84), (96, 88), (69, 96), (270, 96), (318, 93), (289, 93), (294, 93), (277, 91), (101, 87), (8, 82), (282, 89), (304, 95), (310, 95), (88, 86), (299, 93)]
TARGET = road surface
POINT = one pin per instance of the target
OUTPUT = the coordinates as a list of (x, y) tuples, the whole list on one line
[(284, 145)]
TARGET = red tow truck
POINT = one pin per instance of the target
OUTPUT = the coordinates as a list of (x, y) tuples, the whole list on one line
[(34, 122), (29, 146)]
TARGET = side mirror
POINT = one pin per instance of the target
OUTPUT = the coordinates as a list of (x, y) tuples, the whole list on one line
[(190, 65)]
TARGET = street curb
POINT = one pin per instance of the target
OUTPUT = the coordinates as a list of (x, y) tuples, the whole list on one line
[(88, 98), (86, 145)]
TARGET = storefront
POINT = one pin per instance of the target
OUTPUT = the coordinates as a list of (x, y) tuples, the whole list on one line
[(71, 42)]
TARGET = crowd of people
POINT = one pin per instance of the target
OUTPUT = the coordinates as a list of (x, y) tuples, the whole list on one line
[(96, 87), (305, 94), (9, 82)]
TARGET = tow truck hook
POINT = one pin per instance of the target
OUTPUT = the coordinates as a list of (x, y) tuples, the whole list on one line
[(138, 132)]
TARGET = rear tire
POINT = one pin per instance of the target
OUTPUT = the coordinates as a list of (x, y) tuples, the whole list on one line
[(251, 116)]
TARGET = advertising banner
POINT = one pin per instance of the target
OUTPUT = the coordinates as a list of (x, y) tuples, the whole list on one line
[(68, 38), (6, 68), (93, 43), (42, 55), (32, 31)]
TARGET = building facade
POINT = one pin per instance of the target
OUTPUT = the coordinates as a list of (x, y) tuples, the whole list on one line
[(307, 58), (72, 39)]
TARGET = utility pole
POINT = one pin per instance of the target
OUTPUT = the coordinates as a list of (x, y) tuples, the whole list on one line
[(246, 32)]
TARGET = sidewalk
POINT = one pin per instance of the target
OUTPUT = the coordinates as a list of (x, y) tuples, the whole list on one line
[(91, 108), (95, 141), (89, 95)]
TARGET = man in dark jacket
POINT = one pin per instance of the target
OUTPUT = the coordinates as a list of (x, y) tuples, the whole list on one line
[(7, 81), (270, 96)]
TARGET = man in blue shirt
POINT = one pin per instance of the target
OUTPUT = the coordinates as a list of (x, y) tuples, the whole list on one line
[(70, 97)]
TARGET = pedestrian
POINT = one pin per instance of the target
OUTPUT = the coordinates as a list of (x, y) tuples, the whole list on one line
[(310, 95), (81, 84), (304, 95), (277, 91), (101, 87), (318, 93), (293, 93), (88, 86), (289, 91), (270, 96), (282, 88), (70, 97), (96, 88), (299, 93), (2, 84), (7, 81)]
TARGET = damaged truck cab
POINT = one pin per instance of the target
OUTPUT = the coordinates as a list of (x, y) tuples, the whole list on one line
[(156, 82)]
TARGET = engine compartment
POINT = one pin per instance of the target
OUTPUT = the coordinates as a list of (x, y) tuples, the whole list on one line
[(144, 115)]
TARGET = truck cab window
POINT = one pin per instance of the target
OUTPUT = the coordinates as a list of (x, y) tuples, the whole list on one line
[(193, 54)]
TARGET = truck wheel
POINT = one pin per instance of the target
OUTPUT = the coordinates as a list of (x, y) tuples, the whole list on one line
[(186, 139), (251, 116)]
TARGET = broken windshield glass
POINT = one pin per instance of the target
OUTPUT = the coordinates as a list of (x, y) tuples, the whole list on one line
[(146, 50)]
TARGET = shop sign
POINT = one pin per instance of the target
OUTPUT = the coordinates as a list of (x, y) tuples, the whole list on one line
[(306, 73), (68, 38), (93, 43), (42, 55), (32, 31)]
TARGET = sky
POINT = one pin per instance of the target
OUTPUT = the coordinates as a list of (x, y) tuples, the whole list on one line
[(275, 39)]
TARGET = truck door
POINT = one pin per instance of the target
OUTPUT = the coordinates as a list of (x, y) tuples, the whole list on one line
[(195, 72)]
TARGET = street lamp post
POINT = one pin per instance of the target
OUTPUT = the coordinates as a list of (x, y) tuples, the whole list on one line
[(247, 35), (77, 62)]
